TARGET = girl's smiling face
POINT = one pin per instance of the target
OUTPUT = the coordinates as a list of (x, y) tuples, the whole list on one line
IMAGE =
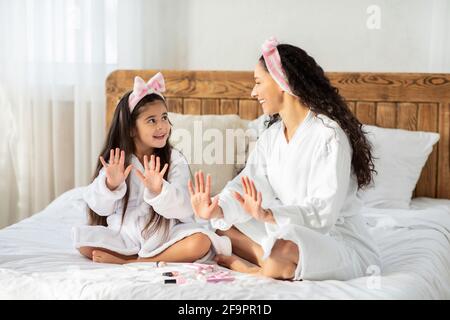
[(152, 126), (267, 91)]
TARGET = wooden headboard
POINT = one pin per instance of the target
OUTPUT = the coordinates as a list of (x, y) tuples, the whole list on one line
[(412, 101)]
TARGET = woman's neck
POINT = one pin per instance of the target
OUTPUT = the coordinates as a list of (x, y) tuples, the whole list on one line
[(292, 114)]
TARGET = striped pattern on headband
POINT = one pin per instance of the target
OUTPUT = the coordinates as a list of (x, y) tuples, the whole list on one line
[(273, 63)]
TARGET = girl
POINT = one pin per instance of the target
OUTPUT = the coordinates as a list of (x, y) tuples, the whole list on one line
[(304, 222), (144, 216)]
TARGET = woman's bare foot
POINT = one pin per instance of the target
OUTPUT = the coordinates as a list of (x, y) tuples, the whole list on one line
[(236, 263), (104, 257)]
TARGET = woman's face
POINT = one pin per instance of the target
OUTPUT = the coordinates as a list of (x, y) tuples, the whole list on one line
[(152, 126), (267, 91)]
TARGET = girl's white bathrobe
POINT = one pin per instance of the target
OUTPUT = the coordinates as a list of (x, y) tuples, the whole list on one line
[(309, 186), (172, 203)]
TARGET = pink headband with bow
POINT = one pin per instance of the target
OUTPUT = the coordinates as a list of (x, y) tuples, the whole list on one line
[(273, 63), (155, 85)]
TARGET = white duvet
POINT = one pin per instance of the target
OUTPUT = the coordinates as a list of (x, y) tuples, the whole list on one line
[(37, 261)]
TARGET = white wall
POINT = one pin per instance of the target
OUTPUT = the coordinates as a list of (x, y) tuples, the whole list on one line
[(226, 35)]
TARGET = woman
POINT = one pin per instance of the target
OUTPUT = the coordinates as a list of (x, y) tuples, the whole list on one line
[(292, 213)]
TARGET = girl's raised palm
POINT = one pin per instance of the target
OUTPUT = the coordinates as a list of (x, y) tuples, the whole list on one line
[(114, 169), (201, 202), (152, 178)]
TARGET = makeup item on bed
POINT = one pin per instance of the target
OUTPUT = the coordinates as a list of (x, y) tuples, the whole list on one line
[(202, 268), (179, 280), (209, 273), (160, 264), (221, 276), (171, 274)]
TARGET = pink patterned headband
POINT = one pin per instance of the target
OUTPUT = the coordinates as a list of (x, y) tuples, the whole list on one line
[(273, 63), (155, 85)]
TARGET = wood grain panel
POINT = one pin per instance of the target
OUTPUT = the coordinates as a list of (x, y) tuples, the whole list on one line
[(391, 87), (386, 114), (427, 120), (248, 109), (229, 106), (407, 116), (190, 84), (365, 112), (192, 106), (175, 105), (443, 185), (210, 106)]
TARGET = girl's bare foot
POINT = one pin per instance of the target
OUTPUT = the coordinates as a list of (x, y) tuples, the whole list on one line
[(104, 257), (236, 263)]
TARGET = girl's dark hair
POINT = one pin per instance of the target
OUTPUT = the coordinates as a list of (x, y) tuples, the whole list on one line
[(308, 81), (120, 136)]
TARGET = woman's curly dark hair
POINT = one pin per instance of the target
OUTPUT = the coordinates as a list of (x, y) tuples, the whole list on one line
[(308, 81)]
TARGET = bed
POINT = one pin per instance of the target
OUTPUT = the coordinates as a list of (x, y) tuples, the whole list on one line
[(37, 260)]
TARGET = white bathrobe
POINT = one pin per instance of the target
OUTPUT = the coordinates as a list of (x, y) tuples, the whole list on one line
[(172, 203), (309, 186)]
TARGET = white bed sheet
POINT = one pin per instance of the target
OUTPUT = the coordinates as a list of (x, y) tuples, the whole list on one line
[(37, 261)]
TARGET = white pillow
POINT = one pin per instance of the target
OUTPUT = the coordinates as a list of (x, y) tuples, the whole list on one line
[(401, 155), (215, 144), (399, 158)]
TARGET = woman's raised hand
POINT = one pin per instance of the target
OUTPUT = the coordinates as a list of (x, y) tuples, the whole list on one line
[(201, 202), (114, 169), (153, 177), (251, 201)]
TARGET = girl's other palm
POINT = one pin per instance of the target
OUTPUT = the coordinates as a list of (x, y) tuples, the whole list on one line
[(152, 178)]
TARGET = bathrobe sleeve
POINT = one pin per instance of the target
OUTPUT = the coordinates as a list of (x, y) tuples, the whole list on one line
[(256, 169), (100, 199), (174, 200), (328, 183)]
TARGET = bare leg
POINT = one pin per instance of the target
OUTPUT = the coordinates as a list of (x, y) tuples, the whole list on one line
[(237, 263), (102, 256), (243, 246), (88, 253), (246, 253), (188, 249), (281, 263)]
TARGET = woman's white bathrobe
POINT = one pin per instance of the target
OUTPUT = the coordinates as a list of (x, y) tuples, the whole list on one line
[(309, 186), (173, 203)]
